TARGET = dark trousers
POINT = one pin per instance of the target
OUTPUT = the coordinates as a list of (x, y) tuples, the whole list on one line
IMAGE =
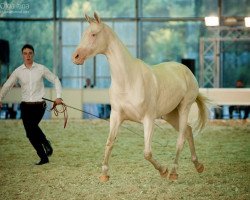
[(31, 114)]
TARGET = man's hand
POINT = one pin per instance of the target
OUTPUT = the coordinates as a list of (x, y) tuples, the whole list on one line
[(58, 101)]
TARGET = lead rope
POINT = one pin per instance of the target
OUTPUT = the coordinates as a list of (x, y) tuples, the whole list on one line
[(63, 110)]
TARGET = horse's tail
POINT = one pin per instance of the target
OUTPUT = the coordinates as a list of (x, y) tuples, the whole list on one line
[(203, 111)]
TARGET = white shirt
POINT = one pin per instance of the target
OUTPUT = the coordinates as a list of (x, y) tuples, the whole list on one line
[(31, 81)]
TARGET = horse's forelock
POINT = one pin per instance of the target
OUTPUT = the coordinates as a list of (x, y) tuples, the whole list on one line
[(93, 20), (95, 26), (90, 19)]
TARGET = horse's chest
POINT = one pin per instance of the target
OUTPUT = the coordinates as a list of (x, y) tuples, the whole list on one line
[(130, 106)]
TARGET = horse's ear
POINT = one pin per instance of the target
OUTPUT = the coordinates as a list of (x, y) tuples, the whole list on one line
[(97, 18), (87, 18)]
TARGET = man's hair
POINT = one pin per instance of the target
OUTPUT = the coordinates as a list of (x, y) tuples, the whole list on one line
[(28, 46)]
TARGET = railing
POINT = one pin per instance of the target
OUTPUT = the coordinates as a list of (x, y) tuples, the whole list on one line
[(78, 97)]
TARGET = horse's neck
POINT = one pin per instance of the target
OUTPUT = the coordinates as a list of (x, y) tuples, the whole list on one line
[(121, 62)]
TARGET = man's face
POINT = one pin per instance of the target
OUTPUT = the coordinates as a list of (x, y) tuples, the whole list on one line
[(28, 55)]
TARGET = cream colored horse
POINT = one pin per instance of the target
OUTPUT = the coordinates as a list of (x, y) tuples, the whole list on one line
[(142, 94)]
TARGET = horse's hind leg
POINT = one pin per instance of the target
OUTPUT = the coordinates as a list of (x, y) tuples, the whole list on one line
[(148, 134), (189, 135), (173, 119), (115, 122)]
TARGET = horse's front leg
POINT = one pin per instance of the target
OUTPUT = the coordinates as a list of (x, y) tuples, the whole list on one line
[(148, 135), (115, 121)]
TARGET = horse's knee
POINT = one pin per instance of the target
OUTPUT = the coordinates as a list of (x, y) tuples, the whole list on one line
[(147, 155), (188, 132), (180, 141), (109, 144), (189, 129)]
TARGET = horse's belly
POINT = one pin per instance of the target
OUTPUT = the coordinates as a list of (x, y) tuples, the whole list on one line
[(165, 107)]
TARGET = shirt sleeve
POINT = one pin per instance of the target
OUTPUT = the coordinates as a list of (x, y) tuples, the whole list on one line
[(8, 85), (55, 80)]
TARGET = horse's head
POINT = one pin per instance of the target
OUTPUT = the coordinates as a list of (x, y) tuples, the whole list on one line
[(93, 41)]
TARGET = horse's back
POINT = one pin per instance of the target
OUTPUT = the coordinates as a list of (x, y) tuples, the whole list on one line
[(171, 68), (173, 73)]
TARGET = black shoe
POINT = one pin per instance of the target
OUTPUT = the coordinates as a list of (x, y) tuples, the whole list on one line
[(48, 148), (43, 161)]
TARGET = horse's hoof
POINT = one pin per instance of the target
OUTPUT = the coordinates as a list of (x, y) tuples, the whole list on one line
[(173, 176), (104, 178), (200, 168), (164, 173)]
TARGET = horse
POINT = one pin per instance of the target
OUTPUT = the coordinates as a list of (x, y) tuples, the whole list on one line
[(142, 94)]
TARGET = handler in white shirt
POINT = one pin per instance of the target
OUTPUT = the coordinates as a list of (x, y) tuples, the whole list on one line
[(30, 76)]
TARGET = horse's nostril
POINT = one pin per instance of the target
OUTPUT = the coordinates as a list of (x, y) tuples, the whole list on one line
[(76, 56)]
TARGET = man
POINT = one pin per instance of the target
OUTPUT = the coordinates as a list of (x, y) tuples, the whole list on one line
[(30, 76), (88, 83)]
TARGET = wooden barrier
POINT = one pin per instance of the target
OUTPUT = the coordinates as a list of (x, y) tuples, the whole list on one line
[(78, 97)]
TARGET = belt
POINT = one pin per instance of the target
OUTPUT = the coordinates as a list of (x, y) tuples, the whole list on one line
[(33, 103)]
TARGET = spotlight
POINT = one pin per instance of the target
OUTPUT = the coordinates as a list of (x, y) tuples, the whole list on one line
[(212, 21), (247, 21)]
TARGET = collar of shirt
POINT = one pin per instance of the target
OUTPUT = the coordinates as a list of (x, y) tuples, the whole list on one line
[(24, 66), (31, 81)]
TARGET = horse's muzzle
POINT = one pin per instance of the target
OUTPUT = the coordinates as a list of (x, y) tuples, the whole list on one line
[(76, 59)]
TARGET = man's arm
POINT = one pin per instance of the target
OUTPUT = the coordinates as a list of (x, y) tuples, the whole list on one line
[(7, 86), (57, 84)]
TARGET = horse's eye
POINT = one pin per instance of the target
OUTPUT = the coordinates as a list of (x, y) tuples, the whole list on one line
[(93, 34)]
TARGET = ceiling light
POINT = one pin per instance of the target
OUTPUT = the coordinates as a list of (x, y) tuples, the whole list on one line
[(247, 21), (212, 21)]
